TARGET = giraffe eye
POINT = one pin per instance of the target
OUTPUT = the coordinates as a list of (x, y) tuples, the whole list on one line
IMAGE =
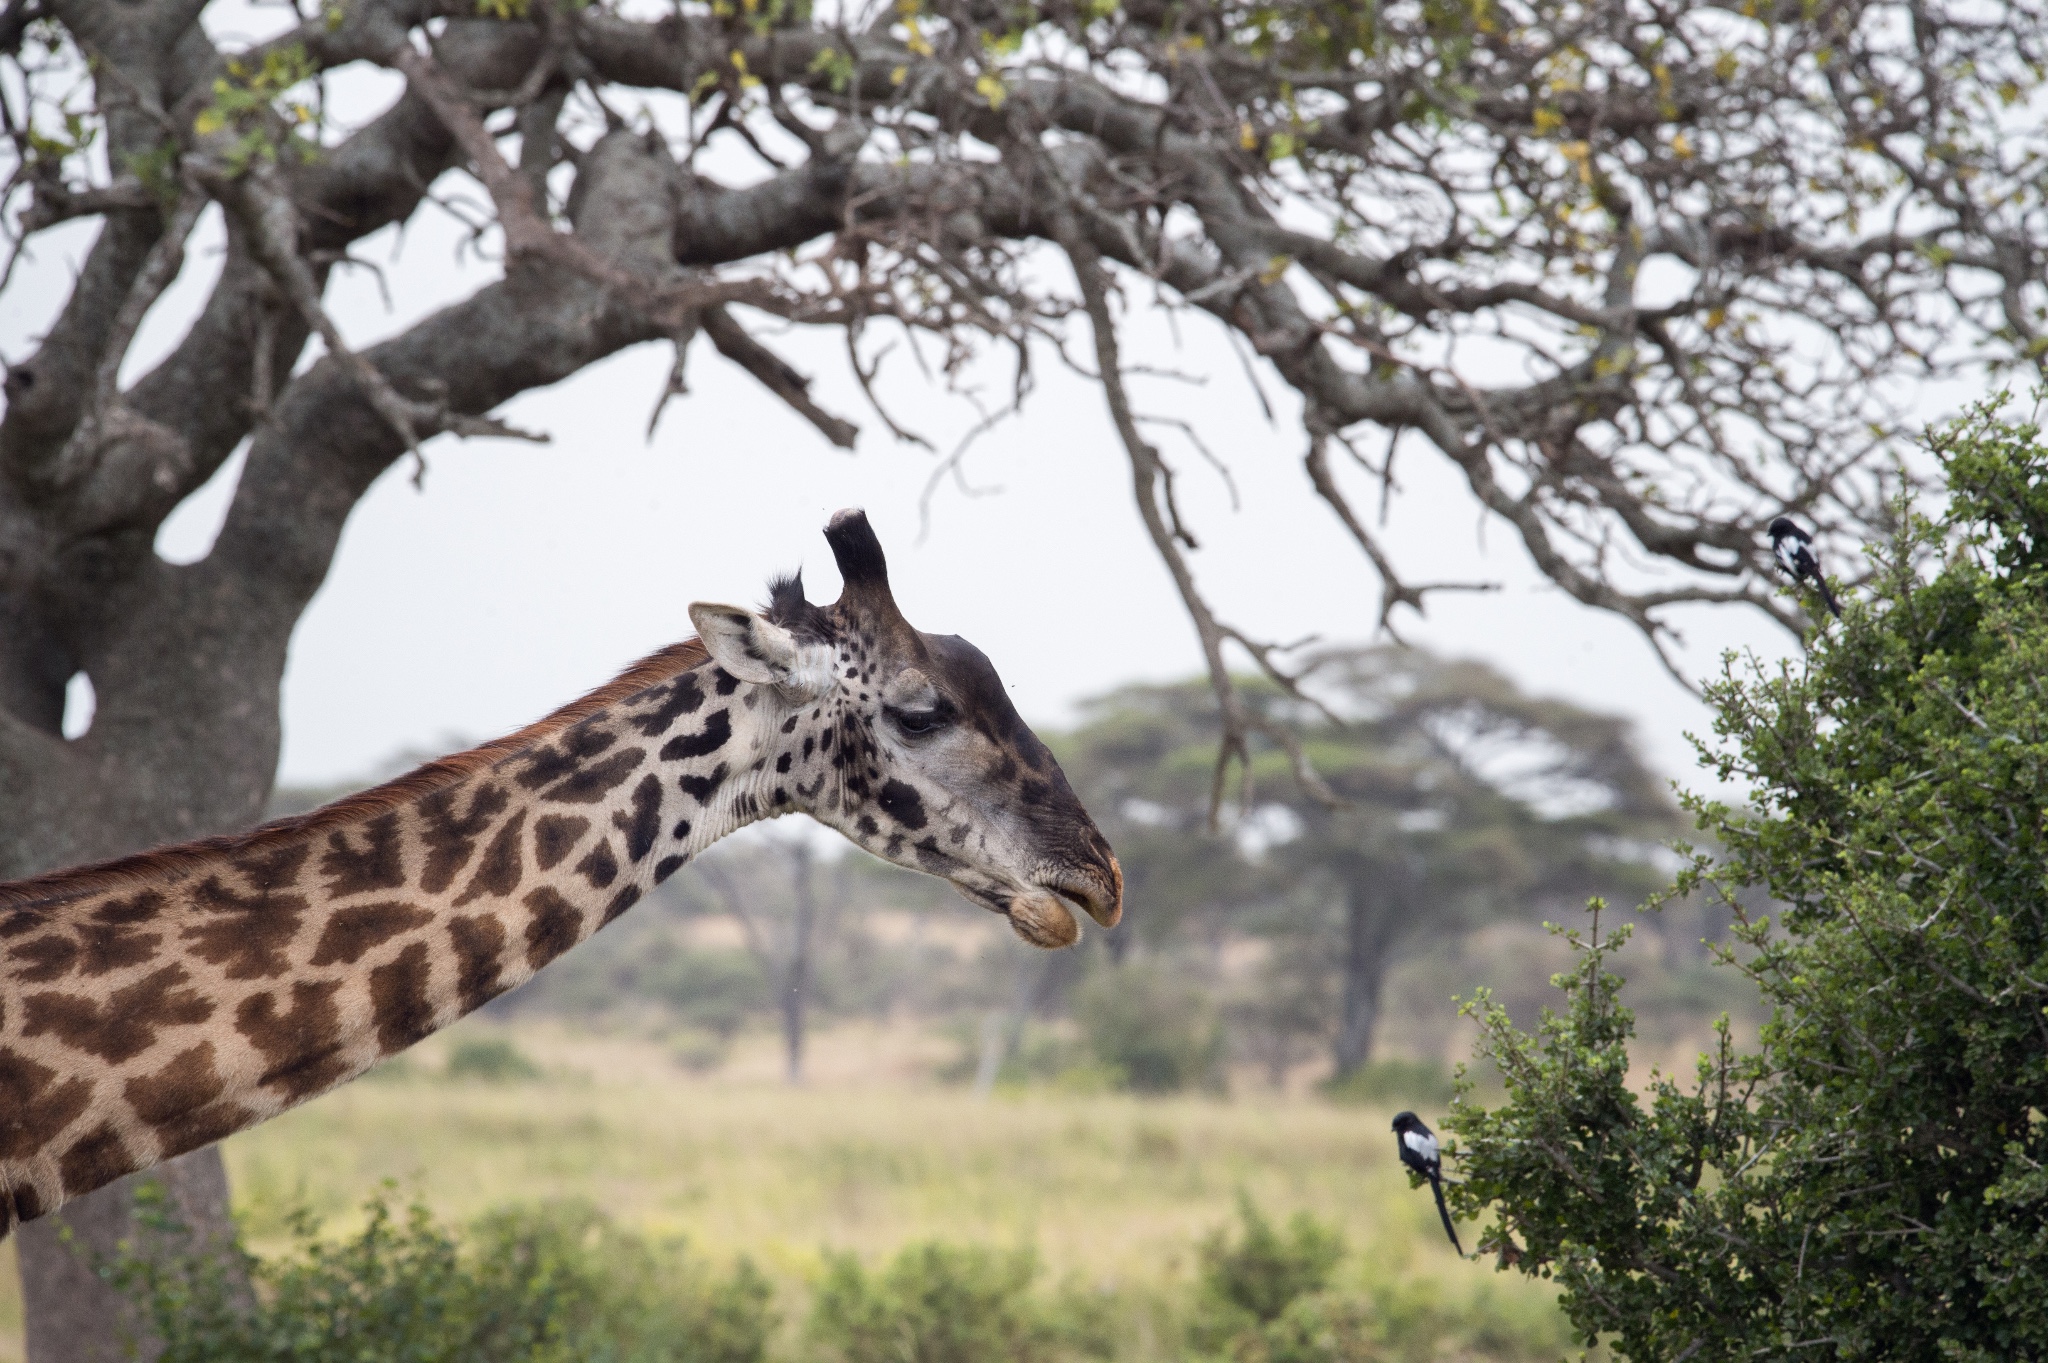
[(918, 722)]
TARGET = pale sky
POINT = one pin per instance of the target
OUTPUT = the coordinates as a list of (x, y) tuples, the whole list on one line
[(523, 575)]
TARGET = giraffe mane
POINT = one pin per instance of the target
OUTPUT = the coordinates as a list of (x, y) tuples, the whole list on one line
[(153, 867)]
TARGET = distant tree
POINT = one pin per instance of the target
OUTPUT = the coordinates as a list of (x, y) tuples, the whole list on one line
[(1871, 1180), (782, 924), (1451, 797)]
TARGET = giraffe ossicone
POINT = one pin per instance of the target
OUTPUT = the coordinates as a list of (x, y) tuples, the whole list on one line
[(154, 1004)]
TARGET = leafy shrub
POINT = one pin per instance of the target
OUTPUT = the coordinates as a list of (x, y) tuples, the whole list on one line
[(938, 1303), (549, 1284), (490, 1059), (1870, 1178), (1152, 1032), (1248, 1283)]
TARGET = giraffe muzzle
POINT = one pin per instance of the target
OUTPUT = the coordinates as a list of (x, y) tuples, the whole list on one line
[(1097, 892)]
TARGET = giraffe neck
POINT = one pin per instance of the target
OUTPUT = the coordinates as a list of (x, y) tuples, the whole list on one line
[(153, 1005)]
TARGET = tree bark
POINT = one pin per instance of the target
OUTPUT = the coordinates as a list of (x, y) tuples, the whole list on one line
[(1375, 911)]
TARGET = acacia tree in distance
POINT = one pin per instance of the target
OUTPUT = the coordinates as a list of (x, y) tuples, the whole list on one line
[(1463, 799), (1634, 270)]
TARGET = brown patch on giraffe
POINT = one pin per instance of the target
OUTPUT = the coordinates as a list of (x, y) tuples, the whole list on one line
[(40, 960), (92, 948), (600, 866), (270, 869), (376, 866), (451, 838), (125, 1025), (16, 923), (555, 836), (479, 944), (353, 933), (643, 825), (247, 934), (299, 1045), (187, 1081), (499, 873), (579, 742), (147, 869), (398, 999), (556, 926), (593, 783), (683, 696), (93, 1160), (623, 900), (34, 1107)]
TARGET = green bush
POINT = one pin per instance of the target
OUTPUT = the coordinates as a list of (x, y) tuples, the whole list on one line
[(550, 1284), (491, 1060), (1248, 1283), (938, 1303), (1152, 1032), (1870, 1180)]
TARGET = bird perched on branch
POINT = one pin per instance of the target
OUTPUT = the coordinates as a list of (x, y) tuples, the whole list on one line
[(1793, 548), (1419, 1152)]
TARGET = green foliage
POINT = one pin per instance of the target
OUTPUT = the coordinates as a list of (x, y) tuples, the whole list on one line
[(249, 102), (547, 1284), (491, 1059), (938, 1303), (1253, 1279), (1871, 1181), (1152, 1032)]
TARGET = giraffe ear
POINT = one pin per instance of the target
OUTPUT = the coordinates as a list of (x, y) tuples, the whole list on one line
[(751, 648)]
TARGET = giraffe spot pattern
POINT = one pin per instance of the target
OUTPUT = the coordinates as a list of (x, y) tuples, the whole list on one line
[(245, 934), (499, 873), (623, 900), (593, 783), (600, 866), (374, 866), (182, 1103), (479, 944), (398, 999), (125, 1024), (99, 1156), (683, 696), (35, 1105), (555, 926), (702, 788), (566, 754), (716, 733), (643, 825), (299, 1044), (451, 838), (352, 933), (555, 836)]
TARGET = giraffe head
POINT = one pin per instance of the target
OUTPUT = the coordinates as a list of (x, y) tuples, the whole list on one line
[(907, 743)]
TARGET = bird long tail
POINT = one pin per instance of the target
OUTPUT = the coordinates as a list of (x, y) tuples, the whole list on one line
[(1436, 1186), (1828, 596)]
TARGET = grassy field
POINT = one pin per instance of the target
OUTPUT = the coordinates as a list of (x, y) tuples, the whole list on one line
[(868, 1157)]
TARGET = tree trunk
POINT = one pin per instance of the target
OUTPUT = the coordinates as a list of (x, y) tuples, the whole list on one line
[(186, 662), (796, 982), (1374, 909), (71, 1313)]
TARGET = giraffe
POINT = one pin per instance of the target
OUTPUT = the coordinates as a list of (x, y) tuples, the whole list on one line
[(156, 1003)]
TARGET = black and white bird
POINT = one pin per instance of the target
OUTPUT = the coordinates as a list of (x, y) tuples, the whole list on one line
[(1419, 1152), (1793, 548)]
